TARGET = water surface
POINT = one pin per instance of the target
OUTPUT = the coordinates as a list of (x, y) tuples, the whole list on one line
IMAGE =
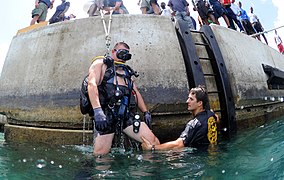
[(254, 154)]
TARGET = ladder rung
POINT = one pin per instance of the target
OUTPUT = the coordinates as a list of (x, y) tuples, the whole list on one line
[(198, 32), (205, 58), (201, 44), (209, 74)]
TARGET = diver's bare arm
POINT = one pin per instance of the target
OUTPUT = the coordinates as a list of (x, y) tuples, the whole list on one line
[(141, 103), (95, 73), (177, 144)]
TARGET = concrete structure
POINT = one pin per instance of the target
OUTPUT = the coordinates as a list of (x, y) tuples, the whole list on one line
[(244, 57), (44, 68)]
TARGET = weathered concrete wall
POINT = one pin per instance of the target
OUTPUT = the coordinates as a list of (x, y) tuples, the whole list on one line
[(44, 68), (244, 57)]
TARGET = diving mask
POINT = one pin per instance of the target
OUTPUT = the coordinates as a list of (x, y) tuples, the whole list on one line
[(123, 54)]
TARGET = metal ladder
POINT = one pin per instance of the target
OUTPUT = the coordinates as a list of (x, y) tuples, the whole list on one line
[(205, 65)]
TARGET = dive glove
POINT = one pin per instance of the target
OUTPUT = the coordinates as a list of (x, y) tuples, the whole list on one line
[(148, 119), (100, 119)]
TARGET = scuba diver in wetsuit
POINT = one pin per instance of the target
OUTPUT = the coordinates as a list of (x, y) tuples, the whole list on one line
[(115, 100)]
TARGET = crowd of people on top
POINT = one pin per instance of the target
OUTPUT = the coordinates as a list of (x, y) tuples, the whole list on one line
[(209, 11)]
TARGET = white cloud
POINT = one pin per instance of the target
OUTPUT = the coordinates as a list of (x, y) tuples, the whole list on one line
[(279, 4)]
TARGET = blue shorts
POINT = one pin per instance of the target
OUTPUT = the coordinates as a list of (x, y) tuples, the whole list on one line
[(219, 10)]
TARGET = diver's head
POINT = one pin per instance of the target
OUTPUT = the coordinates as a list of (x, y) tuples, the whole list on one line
[(200, 95), (120, 52)]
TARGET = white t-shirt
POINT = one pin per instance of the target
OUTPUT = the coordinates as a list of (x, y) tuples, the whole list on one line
[(235, 9), (253, 18), (166, 12)]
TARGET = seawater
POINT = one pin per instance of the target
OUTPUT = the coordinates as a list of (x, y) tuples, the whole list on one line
[(253, 154)]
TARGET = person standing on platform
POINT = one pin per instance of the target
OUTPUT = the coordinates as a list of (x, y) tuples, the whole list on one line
[(181, 12), (204, 11), (256, 25), (165, 11), (219, 11), (40, 12), (232, 16), (245, 21)]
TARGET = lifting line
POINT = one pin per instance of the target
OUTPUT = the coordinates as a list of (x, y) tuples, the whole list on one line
[(107, 31)]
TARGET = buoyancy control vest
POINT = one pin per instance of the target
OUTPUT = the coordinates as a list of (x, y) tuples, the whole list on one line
[(117, 98), (120, 99)]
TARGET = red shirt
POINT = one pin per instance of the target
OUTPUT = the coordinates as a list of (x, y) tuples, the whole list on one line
[(226, 2)]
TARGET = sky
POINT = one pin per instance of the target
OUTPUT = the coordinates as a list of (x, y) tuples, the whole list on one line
[(16, 14)]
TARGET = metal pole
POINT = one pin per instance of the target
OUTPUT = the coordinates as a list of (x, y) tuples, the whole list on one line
[(256, 34)]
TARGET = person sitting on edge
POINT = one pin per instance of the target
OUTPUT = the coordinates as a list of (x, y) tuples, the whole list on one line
[(196, 133), (115, 101), (149, 7), (59, 14), (96, 6), (116, 5), (40, 12)]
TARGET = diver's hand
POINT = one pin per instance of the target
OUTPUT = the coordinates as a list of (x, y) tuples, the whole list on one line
[(148, 119), (100, 119), (146, 144)]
